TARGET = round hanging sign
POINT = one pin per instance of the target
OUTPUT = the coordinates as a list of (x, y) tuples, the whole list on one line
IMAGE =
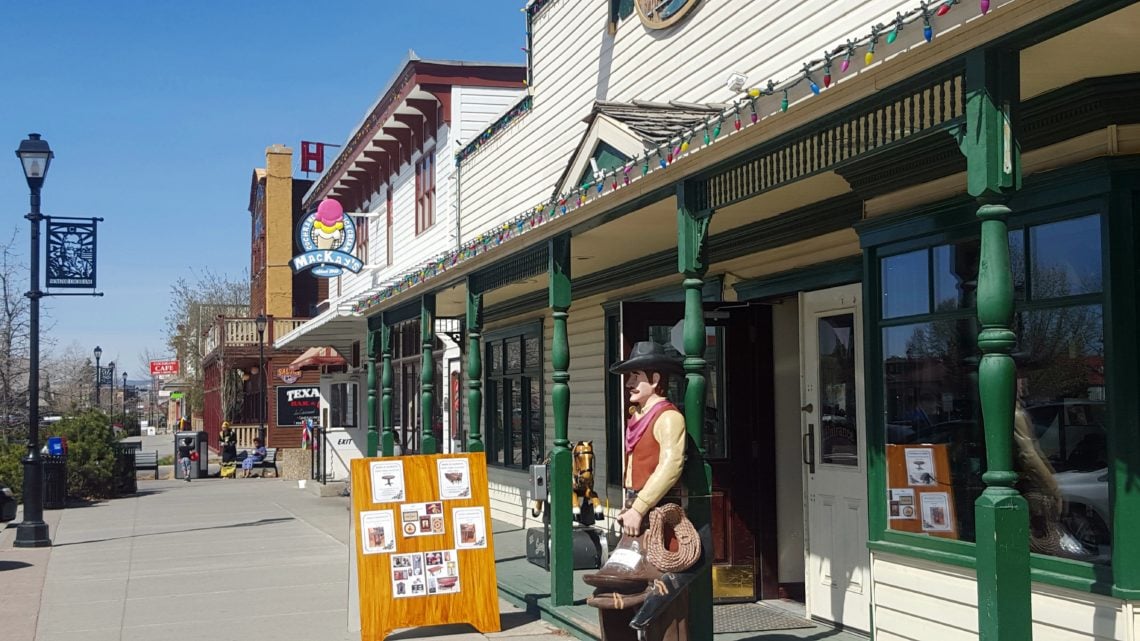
[(662, 14)]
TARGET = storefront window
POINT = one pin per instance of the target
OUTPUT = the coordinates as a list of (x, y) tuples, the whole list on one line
[(342, 404), (934, 432), (514, 398)]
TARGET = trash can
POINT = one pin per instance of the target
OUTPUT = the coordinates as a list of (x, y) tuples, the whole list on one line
[(124, 469), (199, 441), (55, 481)]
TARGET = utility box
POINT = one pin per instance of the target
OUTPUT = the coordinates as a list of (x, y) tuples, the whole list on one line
[(538, 486), (199, 442)]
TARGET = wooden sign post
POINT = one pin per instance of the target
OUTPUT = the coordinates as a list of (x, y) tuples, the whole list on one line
[(424, 550)]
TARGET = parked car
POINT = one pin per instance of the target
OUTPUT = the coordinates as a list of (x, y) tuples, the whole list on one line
[(7, 505)]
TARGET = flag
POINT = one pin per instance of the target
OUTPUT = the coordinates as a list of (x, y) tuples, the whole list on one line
[(313, 156)]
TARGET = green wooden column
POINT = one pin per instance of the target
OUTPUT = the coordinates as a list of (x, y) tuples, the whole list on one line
[(559, 483), (373, 431), (692, 262), (1001, 513), (427, 373), (388, 437), (474, 368)]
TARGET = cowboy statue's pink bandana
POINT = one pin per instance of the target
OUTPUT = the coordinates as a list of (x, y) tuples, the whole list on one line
[(636, 427)]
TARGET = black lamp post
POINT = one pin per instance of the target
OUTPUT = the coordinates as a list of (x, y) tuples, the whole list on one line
[(111, 403), (261, 322), (98, 378), (124, 400), (35, 155)]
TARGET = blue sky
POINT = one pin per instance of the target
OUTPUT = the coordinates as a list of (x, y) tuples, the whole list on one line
[(159, 111)]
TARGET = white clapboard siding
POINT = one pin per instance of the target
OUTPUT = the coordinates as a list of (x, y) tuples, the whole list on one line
[(575, 62), (918, 600), (477, 107)]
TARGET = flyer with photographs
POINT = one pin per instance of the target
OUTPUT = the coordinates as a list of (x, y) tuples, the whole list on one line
[(454, 478), (442, 570), (408, 575), (470, 527), (920, 466), (936, 512), (387, 481), (902, 504), (378, 531), (421, 519)]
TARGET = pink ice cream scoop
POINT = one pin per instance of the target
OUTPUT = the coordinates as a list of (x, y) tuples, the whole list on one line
[(329, 212)]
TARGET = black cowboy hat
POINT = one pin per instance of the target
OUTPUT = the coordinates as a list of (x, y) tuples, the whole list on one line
[(649, 356)]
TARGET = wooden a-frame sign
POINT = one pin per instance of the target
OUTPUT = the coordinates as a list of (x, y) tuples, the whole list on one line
[(477, 600)]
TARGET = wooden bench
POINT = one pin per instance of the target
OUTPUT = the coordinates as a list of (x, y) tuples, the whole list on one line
[(269, 462), (147, 461)]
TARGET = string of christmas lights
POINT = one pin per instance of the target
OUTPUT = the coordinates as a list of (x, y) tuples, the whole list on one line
[(667, 153)]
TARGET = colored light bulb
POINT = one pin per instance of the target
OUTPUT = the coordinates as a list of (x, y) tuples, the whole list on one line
[(985, 6), (613, 185), (677, 150), (755, 93), (814, 87), (707, 137), (627, 168), (716, 131), (943, 10), (645, 168), (663, 163), (684, 146), (892, 36), (736, 124), (827, 77), (601, 186), (784, 102), (755, 116), (626, 179), (869, 58), (843, 66), (928, 32)]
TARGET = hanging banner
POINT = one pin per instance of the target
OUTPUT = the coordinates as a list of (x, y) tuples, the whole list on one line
[(70, 253), (106, 375)]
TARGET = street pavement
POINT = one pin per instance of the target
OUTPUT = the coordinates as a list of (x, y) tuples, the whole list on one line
[(245, 559)]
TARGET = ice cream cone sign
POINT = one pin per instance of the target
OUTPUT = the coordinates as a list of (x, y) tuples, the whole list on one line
[(328, 238)]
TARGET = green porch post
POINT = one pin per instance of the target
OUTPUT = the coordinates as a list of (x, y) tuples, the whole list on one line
[(692, 261), (427, 373), (561, 518), (474, 367), (1001, 513), (388, 438), (373, 432)]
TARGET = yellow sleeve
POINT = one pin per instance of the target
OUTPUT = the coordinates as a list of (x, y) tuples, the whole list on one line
[(669, 430)]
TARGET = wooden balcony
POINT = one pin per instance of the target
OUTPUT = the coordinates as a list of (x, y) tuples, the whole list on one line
[(241, 334)]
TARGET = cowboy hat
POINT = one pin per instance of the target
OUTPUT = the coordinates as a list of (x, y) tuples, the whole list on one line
[(649, 356)]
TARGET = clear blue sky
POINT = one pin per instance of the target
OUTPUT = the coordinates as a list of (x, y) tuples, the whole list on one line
[(159, 111)]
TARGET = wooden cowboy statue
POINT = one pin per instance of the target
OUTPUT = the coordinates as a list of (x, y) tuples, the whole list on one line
[(642, 587)]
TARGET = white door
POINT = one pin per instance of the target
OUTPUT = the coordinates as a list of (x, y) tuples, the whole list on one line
[(834, 453)]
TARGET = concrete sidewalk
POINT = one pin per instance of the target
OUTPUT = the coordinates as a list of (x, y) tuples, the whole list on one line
[(210, 559)]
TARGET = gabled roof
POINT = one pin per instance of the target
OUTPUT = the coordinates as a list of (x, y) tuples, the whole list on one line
[(654, 121), (632, 128)]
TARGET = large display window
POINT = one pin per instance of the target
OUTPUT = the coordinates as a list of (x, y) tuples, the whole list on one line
[(935, 445)]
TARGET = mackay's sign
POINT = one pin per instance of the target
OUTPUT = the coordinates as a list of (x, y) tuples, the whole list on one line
[(328, 238), (164, 368)]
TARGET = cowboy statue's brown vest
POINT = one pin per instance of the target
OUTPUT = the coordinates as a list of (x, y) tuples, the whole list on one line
[(643, 459)]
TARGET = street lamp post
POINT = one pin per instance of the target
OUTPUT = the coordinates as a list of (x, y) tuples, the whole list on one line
[(261, 322), (124, 400), (35, 155), (98, 378), (111, 402)]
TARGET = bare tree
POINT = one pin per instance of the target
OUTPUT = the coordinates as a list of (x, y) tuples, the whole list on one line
[(194, 305), (68, 380), (14, 343)]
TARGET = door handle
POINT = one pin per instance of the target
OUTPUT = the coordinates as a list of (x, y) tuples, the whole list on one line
[(808, 448)]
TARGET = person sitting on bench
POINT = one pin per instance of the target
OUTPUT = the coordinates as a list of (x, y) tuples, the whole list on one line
[(251, 458)]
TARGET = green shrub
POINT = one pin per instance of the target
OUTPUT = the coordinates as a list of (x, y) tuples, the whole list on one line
[(11, 469), (90, 454)]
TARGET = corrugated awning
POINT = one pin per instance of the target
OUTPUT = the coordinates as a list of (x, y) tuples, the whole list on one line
[(317, 356)]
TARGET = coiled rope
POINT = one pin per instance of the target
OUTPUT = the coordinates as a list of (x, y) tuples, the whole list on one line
[(688, 551)]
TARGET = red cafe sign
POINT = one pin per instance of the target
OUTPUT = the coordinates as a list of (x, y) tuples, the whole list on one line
[(164, 368)]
